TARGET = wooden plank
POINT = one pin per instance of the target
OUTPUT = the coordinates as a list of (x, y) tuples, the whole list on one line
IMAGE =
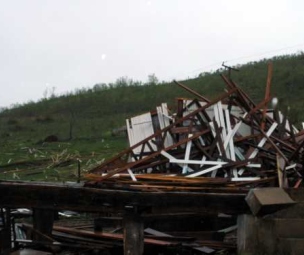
[(175, 179), (163, 116), (267, 94), (132, 175), (192, 92), (107, 164), (230, 142), (263, 140), (163, 187), (241, 179), (222, 121), (171, 159), (139, 128), (187, 155), (156, 233), (280, 170), (77, 198), (220, 143), (102, 235), (60, 244), (208, 170), (197, 162)]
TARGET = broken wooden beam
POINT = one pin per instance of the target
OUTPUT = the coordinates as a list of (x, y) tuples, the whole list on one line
[(78, 198)]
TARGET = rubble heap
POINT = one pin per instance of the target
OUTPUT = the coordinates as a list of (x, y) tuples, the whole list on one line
[(229, 141)]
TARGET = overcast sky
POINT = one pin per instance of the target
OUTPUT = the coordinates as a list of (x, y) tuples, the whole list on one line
[(69, 44)]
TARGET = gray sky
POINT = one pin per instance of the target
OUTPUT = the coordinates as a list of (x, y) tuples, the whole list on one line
[(70, 44)]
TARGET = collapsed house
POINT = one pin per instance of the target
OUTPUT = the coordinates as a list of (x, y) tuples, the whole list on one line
[(228, 145), (229, 137)]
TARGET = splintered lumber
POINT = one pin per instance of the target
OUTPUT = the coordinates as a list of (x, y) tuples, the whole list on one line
[(119, 162), (229, 137), (193, 92)]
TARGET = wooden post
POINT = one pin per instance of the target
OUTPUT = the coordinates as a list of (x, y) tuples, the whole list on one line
[(43, 224), (267, 95), (78, 171), (133, 233), (256, 236), (5, 233)]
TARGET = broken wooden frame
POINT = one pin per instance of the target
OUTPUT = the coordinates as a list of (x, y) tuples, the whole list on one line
[(223, 137)]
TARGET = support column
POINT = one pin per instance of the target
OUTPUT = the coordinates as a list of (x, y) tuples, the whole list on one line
[(5, 232), (256, 235), (133, 233), (246, 234), (43, 224)]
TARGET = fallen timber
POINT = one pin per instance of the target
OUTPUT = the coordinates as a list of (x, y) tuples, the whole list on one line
[(235, 144), (228, 137), (83, 199)]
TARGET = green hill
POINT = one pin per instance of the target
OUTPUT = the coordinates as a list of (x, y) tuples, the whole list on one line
[(83, 120)]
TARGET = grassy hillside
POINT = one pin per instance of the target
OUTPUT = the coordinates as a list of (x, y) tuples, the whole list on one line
[(83, 120)]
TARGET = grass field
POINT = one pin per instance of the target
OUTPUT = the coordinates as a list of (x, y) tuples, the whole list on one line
[(82, 121), (56, 161)]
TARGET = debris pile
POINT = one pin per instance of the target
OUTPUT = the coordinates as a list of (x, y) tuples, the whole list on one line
[(229, 141), (225, 146)]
